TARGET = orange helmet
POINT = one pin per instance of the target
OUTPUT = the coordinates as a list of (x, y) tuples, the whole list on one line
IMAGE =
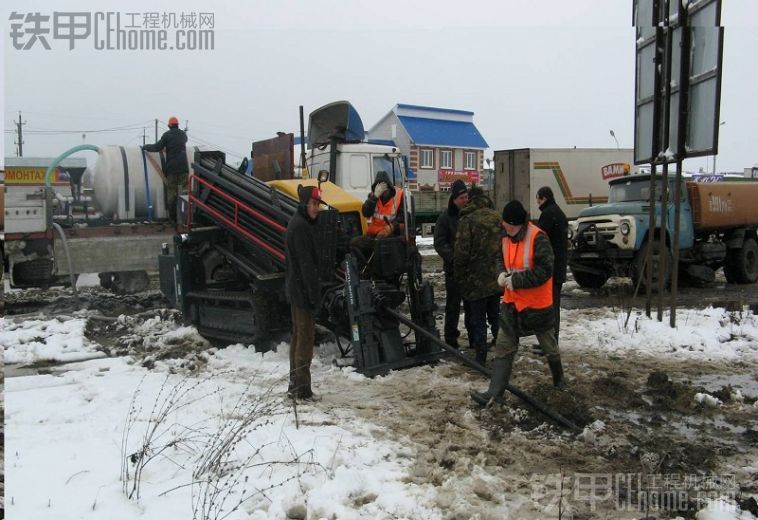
[(173, 121)]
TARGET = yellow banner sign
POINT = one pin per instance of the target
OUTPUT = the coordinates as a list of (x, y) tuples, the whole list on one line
[(31, 175)]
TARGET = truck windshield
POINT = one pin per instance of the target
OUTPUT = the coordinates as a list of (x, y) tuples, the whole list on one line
[(639, 191), (390, 164)]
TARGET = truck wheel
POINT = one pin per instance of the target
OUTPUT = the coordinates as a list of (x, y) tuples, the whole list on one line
[(130, 282), (639, 275), (730, 271), (744, 262), (589, 280), (106, 280)]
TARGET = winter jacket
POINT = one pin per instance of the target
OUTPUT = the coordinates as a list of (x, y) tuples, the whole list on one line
[(302, 283), (520, 256), (369, 206), (534, 320), (477, 260), (174, 141), (444, 235), (553, 222)]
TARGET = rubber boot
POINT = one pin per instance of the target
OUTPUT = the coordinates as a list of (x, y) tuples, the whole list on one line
[(501, 374), (556, 368)]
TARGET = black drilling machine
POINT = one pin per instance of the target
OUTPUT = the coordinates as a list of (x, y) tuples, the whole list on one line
[(226, 271)]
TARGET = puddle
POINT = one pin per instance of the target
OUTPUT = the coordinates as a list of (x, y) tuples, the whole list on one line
[(746, 383), (55, 368)]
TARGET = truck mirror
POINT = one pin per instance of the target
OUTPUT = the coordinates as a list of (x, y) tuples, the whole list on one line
[(323, 176)]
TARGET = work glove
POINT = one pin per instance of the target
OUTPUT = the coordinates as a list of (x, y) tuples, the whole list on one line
[(379, 189), (504, 280)]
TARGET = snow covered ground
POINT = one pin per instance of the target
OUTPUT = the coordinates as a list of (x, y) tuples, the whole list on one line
[(85, 435)]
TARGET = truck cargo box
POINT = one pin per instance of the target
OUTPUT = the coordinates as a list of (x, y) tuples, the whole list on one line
[(578, 176), (723, 205)]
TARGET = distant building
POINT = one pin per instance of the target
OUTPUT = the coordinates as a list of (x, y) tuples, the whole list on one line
[(441, 144)]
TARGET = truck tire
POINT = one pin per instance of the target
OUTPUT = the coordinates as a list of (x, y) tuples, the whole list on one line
[(589, 280), (130, 282), (742, 264), (639, 275)]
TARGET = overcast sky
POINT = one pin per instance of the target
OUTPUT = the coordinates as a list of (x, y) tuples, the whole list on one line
[(536, 73)]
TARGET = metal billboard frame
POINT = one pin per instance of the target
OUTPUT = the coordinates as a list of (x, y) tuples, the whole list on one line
[(662, 75)]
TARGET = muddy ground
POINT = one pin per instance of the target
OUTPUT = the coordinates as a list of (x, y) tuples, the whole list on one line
[(645, 448)]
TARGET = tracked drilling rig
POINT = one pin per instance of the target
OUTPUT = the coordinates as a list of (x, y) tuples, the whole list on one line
[(226, 273)]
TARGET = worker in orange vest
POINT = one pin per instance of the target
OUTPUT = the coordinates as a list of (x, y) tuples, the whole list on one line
[(527, 303), (384, 208)]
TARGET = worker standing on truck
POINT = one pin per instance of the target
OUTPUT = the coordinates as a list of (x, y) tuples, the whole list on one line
[(384, 209), (527, 303), (303, 289), (444, 243), (477, 246), (554, 223), (176, 169)]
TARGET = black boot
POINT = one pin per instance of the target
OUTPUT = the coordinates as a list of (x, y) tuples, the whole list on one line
[(556, 368), (481, 355), (501, 374), (453, 342)]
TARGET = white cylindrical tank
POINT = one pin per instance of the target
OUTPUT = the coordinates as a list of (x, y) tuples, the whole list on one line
[(118, 181)]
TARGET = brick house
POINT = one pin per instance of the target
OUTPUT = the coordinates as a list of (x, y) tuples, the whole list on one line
[(441, 144)]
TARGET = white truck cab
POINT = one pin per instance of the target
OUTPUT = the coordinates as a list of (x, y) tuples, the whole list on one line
[(357, 165)]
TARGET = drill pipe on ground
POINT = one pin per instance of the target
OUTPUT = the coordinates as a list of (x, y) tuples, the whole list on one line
[(479, 368)]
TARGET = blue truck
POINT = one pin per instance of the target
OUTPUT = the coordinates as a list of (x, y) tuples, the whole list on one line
[(717, 229)]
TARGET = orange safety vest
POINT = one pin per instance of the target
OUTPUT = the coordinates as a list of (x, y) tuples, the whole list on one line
[(377, 223), (519, 256)]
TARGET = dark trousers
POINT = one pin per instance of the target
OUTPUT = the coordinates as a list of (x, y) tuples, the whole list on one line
[(176, 184), (557, 307), (301, 352), (479, 314), (452, 307)]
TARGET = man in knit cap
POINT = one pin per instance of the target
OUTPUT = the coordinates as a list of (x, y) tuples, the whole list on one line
[(444, 244), (527, 304)]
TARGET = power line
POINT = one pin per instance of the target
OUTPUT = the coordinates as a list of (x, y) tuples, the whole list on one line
[(132, 126)]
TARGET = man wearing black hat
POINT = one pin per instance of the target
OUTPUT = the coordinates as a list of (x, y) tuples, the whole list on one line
[(527, 303), (303, 289), (444, 243), (553, 222)]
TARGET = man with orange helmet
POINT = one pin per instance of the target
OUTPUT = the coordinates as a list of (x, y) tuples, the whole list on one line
[(176, 169)]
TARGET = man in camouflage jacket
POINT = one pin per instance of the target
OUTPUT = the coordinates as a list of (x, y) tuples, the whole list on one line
[(476, 264)]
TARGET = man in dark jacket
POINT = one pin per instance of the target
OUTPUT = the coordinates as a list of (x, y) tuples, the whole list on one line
[(303, 289), (553, 222), (176, 170), (444, 243), (475, 267), (526, 278)]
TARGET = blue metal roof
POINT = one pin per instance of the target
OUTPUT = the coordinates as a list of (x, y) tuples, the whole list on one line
[(435, 109), (437, 132)]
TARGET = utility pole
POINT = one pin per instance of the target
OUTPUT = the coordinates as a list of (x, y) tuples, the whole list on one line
[(186, 125), (144, 136), (20, 135), (156, 129)]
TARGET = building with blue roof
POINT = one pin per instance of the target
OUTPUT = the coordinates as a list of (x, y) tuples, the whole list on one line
[(441, 144)]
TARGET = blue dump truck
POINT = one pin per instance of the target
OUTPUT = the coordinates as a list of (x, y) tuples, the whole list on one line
[(717, 229)]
